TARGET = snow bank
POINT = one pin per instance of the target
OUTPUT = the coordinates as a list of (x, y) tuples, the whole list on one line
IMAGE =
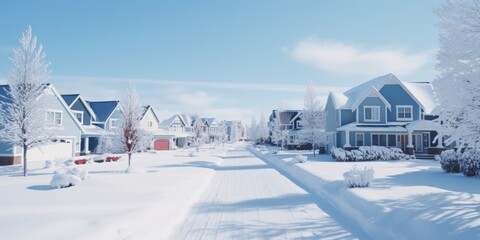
[(371, 153), (359, 177), (193, 154), (135, 170), (300, 159)]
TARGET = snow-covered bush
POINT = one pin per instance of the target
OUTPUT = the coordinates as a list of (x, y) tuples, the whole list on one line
[(300, 159), (470, 163), (371, 153), (358, 177), (67, 177), (449, 160)]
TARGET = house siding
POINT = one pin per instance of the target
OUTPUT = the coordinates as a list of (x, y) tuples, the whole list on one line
[(396, 95), (371, 101), (347, 116), (115, 115), (331, 118), (78, 106)]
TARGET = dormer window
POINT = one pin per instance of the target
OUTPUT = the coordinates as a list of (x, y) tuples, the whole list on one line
[(371, 113), (404, 113)]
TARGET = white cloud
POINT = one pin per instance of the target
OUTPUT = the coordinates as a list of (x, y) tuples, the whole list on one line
[(195, 99), (345, 59), (277, 87)]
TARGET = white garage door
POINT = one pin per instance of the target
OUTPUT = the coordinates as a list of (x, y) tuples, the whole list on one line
[(51, 151)]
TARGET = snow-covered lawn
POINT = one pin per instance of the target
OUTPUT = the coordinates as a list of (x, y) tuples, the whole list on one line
[(409, 199), (109, 204)]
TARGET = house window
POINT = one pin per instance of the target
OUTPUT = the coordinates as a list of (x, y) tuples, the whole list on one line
[(359, 139), (113, 123), (379, 140), (299, 124), (150, 124), (78, 115), (54, 118), (371, 113), (404, 113)]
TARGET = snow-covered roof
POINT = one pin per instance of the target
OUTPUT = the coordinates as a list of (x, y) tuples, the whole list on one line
[(209, 121), (70, 98), (373, 92), (423, 125), (373, 127), (424, 93), (94, 130), (103, 109), (168, 122), (187, 119)]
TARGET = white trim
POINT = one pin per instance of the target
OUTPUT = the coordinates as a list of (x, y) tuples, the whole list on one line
[(87, 106), (406, 107), (110, 123), (365, 113), (376, 92), (54, 123), (81, 112), (62, 101)]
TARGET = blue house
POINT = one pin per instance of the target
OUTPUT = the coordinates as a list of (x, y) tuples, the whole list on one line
[(85, 115), (107, 115), (66, 132), (384, 112)]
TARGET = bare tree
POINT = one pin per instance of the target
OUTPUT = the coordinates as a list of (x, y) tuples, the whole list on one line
[(130, 134), (23, 111), (262, 128), (252, 130), (223, 135), (313, 118)]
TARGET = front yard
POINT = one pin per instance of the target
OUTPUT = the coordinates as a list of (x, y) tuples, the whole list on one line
[(407, 198)]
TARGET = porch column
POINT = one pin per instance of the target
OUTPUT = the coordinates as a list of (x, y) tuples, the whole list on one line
[(86, 143), (410, 143), (440, 141), (347, 139)]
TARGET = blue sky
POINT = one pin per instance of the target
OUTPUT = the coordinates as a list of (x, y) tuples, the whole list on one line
[(226, 59)]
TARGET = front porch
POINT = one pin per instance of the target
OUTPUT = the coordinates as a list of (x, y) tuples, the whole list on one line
[(418, 138)]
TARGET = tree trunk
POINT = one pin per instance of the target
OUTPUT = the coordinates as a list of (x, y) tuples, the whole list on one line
[(129, 157), (313, 147), (24, 160)]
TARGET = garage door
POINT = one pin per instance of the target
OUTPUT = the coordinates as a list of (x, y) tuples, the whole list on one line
[(52, 151), (161, 144)]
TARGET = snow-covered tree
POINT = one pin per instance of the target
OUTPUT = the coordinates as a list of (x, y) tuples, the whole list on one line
[(458, 83), (130, 135), (313, 118), (223, 134), (279, 131), (252, 130), (199, 136), (23, 111), (262, 128), (234, 132)]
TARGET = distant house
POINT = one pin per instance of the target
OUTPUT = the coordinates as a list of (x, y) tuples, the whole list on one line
[(212, 128), (176, 127), (85, 115), (65, 128), (384, 112), (291, 122), (235, 131)]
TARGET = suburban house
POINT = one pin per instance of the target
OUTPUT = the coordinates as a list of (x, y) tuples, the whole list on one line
[(384, 112), (85, 116), (66, 132), (235, 131), (291, 122), (176, 127), (212, 127), (107, 115)]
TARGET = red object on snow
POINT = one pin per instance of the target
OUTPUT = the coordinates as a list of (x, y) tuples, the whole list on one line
[(80, 161), (112, 158)]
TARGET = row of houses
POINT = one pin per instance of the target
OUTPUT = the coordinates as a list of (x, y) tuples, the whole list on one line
[(78, 126), (381, 112)]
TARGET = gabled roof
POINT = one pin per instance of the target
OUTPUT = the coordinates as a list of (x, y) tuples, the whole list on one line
[(187, 119), (147, 108), (373, 92), (286, 116), (5, 97), (168, 122), (70, 98), (421, 93), (103, 109), (209, 121)]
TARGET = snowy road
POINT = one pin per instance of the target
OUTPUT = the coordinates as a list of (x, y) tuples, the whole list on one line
[(247, 199)]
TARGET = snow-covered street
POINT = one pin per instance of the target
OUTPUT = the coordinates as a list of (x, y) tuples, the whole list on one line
[(248, 199)]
